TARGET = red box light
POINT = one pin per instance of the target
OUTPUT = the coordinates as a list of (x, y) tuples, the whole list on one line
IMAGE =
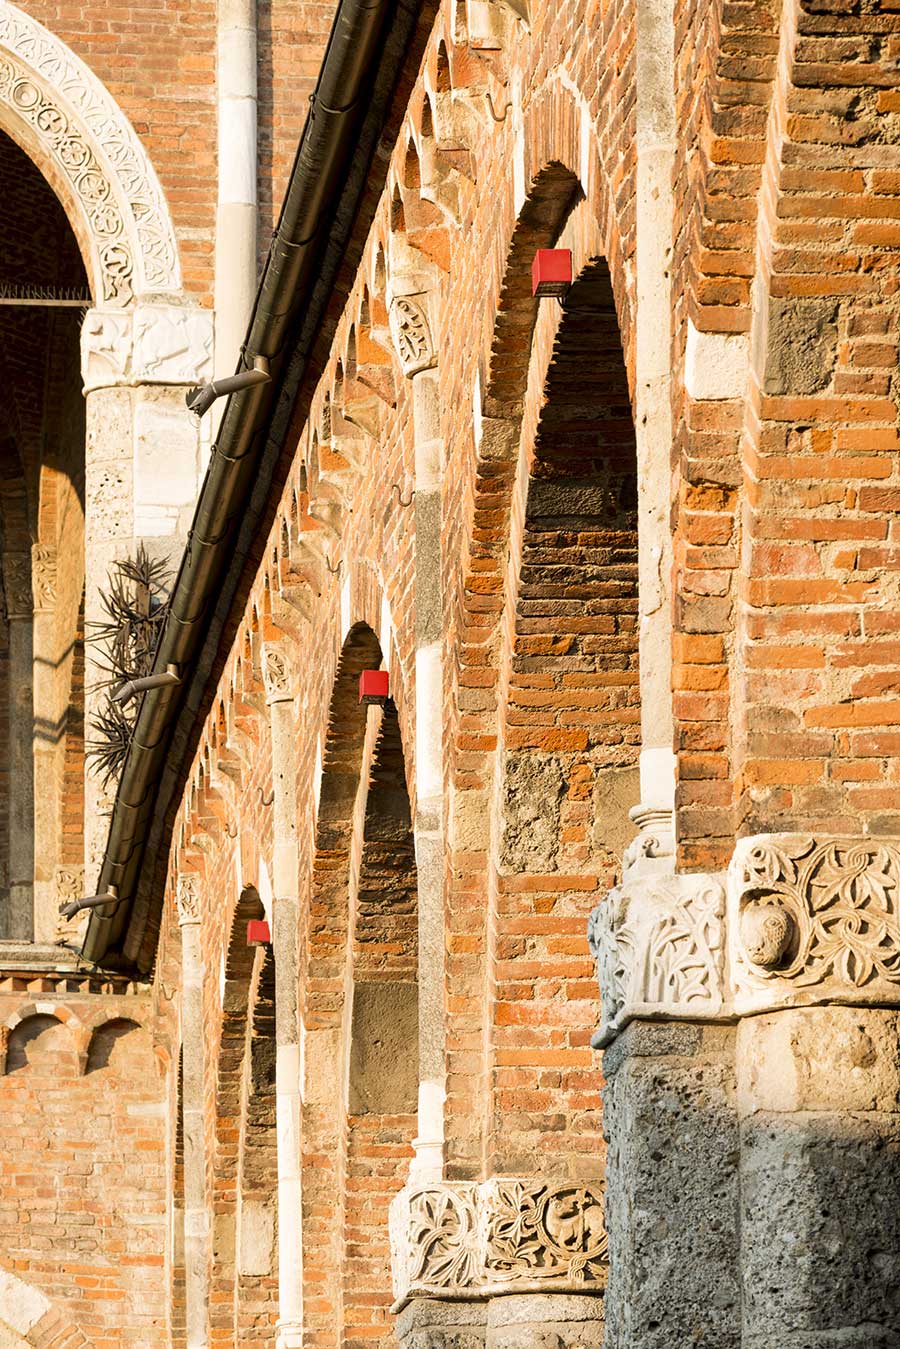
[(258, 932), (373, 687), (551, 272)]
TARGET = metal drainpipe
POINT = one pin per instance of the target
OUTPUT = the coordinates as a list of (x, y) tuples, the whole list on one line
[(285, 918), (236, 212), (288, 281)]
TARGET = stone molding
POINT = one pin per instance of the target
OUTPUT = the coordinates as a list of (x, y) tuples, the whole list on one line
[(151, 344), (799, 920), (659, 943), (78, 132), (463, 1239), (814, 920)]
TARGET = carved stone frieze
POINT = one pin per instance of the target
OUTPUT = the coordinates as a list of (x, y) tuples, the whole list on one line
[(411, 333), (814, 920), (452, 1239), (659, 943), (152, 344), (92, 148)]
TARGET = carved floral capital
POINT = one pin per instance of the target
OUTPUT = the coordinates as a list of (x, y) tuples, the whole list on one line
[(814, 919), (411, 333), (507, 1235), (659, 943)]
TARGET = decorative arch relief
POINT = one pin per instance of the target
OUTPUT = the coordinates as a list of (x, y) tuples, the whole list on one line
[(52, 104)]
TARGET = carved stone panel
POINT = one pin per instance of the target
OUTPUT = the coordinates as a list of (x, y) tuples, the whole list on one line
[(187, 899), (276, 674), (814, 920), (411, 332), (507, 1235), (172, 345), (659, 943)]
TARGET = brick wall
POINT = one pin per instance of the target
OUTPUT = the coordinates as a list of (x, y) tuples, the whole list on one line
[(83, 1209)]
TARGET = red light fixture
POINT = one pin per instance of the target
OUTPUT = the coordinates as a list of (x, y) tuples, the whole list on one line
[(258, 932), (551, 272), (373, 687)]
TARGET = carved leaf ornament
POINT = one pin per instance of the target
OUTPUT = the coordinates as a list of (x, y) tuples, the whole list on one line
[(499, 1235), (841, 900)]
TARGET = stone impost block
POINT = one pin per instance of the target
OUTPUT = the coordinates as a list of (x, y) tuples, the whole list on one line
[(503, 1236)]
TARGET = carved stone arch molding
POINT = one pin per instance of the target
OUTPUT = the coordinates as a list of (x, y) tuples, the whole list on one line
[(57, 110)]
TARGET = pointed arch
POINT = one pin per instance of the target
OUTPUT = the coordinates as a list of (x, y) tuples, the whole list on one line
[(64, 118)]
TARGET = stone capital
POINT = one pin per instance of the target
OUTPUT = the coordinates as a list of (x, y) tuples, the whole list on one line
[(146, 344), (814, 919), (276, 674), (411, 333), (659, 943), (507, 1235)]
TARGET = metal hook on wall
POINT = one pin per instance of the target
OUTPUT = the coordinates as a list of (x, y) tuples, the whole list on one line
[(335, 571), (395, 487), (266, 800), (233, 831)]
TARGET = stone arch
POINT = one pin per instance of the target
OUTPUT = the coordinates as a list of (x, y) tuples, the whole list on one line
[(27, 1313), (61, 115)]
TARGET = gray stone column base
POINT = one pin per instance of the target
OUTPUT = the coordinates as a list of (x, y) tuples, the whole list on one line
[(545, 1321), (432, 1323), (510, 1321)]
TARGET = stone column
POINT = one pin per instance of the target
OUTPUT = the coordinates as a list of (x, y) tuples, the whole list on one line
[(236, 212), (280, 690), (196, 1212), (655, 140), (142, 468), (411, 332), (511, 1263), (668, 1111), (814, 936), (19, 922), (752, 1105)]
